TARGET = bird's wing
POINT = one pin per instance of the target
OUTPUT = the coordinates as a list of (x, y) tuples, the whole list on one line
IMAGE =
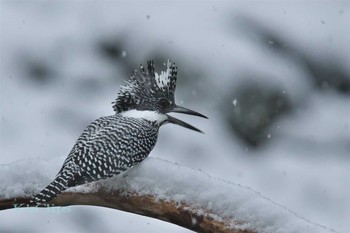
[(88, 134), (108, 147)]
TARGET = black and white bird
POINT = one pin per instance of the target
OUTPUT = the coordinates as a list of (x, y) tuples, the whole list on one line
[(113, 144)]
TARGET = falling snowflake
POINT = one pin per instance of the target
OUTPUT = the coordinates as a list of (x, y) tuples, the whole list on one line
[(234, 102)]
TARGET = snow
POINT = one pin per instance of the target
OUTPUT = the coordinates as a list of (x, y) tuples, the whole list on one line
[(171, 182), (15, 183), (234, 102), (304, 166)]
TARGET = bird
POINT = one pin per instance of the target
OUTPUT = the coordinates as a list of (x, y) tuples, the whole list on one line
[(113, 144)]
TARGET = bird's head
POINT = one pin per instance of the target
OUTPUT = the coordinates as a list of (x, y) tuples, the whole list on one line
[(147, 91)]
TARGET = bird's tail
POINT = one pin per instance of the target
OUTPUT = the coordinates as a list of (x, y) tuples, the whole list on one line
[(61, 183)]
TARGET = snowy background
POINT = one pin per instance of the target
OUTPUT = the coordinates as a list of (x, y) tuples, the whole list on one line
[(273, 77)]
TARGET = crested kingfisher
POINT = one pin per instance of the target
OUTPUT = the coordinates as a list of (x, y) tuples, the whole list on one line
[(113, 144)]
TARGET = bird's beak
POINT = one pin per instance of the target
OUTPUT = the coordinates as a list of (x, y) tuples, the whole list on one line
[(176, 121), (187, 111)]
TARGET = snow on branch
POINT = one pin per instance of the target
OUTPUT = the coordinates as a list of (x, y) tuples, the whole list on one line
[(162, 190)]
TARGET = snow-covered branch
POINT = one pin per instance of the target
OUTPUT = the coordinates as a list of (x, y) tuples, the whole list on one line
[(180, 214), (162, 190)]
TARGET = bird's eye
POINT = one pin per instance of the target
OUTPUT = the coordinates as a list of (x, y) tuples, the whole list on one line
[(164, 103)]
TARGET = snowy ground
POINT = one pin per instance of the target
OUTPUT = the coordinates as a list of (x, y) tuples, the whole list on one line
[(305, 164)]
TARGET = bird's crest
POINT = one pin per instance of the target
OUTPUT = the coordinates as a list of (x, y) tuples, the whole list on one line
[(145, 86)]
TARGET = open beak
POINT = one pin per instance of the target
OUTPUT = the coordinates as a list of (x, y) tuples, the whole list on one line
[(176, 121)]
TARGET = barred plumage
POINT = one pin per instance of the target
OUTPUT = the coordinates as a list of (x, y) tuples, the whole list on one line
[(113, 144), (104, 150)]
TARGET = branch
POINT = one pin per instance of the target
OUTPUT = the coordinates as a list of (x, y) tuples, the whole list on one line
[(181, 214), (162, 190)]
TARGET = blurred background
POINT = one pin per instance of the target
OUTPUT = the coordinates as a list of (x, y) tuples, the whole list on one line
[(273, 77)]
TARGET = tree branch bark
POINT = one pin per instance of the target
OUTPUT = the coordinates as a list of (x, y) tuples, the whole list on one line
[(182, 214)]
